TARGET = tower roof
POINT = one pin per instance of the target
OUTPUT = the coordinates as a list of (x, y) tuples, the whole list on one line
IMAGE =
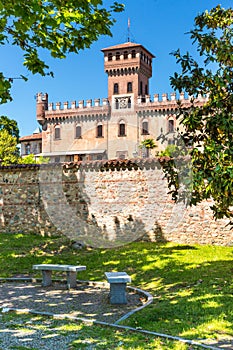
[(126, 45)]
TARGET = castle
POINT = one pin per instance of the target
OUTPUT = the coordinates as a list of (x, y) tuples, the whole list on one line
[(114, 127)]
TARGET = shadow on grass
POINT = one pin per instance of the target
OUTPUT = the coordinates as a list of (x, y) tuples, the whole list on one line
[(192, 285)]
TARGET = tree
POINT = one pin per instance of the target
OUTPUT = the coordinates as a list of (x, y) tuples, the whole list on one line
[(59, 26), (148, 144), (209, 126), (10, 125), (9, 153)]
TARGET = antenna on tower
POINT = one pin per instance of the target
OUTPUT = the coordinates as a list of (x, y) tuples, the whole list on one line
[(128, 36)]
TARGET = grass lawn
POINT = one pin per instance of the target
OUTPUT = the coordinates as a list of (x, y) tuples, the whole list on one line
[(192, 288)]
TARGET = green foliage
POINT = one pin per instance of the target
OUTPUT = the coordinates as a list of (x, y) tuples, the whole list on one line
[(30, 159), (9, 153), (170, 151), (9, 138), (148, 143), (61, 27), (10, 125), (209, 126)]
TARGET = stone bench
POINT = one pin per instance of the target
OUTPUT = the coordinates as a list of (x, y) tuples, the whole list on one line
[(117, 281), (71, 273)]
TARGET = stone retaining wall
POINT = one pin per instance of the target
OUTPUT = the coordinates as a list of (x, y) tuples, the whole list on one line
[(104, 204)]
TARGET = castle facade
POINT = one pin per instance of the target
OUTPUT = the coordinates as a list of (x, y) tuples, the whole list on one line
[(116, 126)]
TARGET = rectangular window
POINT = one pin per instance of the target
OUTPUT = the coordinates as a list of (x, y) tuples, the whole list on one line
[(145, 128), (122, 154), (115, 88), (100, 130), (78, 132), (129, 87), (69, 158), (57, 133), (122, 129), (27, 149), (170, 125)]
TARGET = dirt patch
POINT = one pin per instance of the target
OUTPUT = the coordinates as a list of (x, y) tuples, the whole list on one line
[(88, 301)]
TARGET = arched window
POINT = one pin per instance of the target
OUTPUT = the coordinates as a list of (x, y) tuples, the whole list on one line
[(78, 132), (116, 103), (129, 102), (122, 128), (116, 88), (27, 149), (145, 127), (125, 55), (100, 130), (118, 55), (129, 86), (133, 54), (170, 125), (146, 89), (57, 132), (110, 56)]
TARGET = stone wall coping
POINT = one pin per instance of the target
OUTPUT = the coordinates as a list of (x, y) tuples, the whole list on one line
[(130, 164)]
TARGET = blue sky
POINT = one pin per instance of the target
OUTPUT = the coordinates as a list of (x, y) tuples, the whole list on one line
[(159, 25)]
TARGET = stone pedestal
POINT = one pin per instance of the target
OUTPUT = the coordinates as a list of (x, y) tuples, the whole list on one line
[(117, 281)]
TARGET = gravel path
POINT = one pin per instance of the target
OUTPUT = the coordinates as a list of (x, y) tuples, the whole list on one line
[(85, 301)]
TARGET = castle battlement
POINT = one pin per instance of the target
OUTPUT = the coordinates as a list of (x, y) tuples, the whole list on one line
[(77, 105), (168, 98), (164, 100)]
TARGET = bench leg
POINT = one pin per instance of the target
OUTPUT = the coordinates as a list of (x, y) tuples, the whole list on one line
[(118, 293), (71, 279), (46, 278)]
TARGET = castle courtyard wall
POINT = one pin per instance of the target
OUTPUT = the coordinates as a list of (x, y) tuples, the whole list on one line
[(103, 204)]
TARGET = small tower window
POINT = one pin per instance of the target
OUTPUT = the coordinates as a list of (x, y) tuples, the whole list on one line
[(57, 132), (170, 125), (146, 89), (122, 128), (133, 54), (116, 103), (129, 102), (110, 56), (78, 132), (116, 88), (118, 56), (100, 130), (129, 87), (125, 55), (145, 128)]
